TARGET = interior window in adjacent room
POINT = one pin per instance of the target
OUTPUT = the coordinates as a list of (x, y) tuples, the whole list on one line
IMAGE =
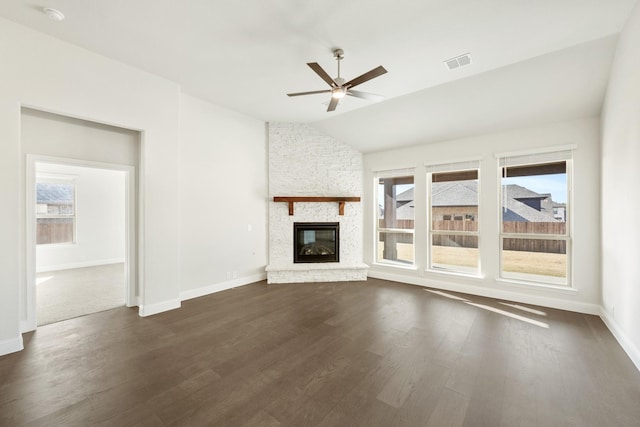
[(55, 211)]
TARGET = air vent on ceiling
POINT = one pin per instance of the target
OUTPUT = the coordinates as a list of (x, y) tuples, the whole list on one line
[(458, 61)]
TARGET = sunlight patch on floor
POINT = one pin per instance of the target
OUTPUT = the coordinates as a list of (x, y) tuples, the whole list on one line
[(508, 314), (40, 280), (497, 310), (446, 295), (527, 309)]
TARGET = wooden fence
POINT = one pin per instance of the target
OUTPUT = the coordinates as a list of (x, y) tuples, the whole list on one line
[(535, 227), (54, 230), (521, 244), (535, 245)]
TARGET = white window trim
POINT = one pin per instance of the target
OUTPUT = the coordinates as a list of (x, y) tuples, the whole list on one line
[(444, 167), (390, 173), (537, 151), (538, 156)]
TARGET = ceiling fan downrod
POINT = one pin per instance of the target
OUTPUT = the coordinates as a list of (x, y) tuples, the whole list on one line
[(338, 54)]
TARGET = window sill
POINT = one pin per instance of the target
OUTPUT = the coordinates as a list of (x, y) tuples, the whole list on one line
[(56, 245), (478, 276), (396, 266), (566, 289)]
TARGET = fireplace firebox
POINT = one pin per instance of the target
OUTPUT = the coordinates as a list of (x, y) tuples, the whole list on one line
[(316, 242)]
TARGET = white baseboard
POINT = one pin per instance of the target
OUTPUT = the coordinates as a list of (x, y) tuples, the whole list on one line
[(82, 264), (135, 302), (151, 309), (27, 326), (621, 337), (11, 345), (222, 286), (544, 301)]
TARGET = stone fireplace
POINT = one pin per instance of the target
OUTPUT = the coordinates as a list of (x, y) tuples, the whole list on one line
[(324, 177)]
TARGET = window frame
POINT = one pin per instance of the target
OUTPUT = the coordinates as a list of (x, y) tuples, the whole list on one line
[(395, 173), (59, 179), (559, 154), (451, 167)]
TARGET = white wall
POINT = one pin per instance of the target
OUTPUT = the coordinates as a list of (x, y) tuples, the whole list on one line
[(100, 219), (41, 72), (222, 198), (620, 195), (54, 135), (586, 202)]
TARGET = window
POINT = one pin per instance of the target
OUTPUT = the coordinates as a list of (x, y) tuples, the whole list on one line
[(55, 211), (534, 234), (453, 217), (395, 218)]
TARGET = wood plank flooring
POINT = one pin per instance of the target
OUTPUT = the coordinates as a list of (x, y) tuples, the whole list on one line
[(372, 353)]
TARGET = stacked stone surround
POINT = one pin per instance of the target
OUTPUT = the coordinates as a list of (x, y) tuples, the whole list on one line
[(305, 162)]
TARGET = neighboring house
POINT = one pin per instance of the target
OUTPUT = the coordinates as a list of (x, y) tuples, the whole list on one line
[(458, 201), (560, 211), (455, 200), (405, 205), (524, 205)]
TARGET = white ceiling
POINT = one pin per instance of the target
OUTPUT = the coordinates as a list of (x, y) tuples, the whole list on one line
[(533, 61)]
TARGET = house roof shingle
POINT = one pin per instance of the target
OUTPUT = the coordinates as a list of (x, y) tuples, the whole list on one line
[(465, 193), (520, 212), (454, 193)]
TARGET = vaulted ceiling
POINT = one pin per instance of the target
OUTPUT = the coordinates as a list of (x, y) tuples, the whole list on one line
[(532, 61)]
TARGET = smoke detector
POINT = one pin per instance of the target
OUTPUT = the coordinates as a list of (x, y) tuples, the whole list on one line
[(458, 61), (53, 14)]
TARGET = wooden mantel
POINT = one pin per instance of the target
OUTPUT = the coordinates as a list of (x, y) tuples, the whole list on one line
[(340, 200)]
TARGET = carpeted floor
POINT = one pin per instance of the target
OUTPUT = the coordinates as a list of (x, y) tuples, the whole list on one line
[(65, 294)]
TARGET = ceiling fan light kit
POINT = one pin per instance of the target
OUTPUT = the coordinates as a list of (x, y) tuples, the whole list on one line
[(338, 92), (339, 87)]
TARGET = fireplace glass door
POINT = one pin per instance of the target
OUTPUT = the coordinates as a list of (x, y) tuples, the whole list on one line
[(316, 242)]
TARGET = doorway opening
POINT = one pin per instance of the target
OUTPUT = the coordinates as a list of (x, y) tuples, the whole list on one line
[(80, 237), (80, 241)]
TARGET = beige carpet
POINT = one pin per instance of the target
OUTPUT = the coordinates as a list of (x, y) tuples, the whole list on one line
[(66, 294)]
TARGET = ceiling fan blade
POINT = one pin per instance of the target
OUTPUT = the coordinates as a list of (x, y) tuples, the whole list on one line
[(364, 95), (309, 93), (366, 77), (333, 104), (322, 73)]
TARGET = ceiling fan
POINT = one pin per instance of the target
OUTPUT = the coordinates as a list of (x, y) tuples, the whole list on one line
[(340, 87)]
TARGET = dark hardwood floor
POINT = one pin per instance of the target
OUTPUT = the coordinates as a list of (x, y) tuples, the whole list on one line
[(372, 353)]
